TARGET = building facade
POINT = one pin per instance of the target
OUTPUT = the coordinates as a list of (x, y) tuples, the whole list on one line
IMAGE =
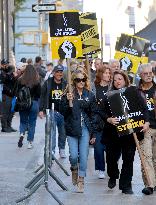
[(33, 27)]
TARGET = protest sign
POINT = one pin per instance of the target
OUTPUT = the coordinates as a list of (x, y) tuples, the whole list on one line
[(131, 50), (65, 34), (126, 106), (89, 33)]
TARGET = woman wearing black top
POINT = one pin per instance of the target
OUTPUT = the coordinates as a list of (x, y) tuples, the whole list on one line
[(30, 78), (125, 145), (102, 81)]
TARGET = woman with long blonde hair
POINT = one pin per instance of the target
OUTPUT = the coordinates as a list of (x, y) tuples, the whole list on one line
[(78, 125)]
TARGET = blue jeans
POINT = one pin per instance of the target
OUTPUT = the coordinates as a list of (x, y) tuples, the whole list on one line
[(59, 122), (99, 149), (28, 120), (79, 148)]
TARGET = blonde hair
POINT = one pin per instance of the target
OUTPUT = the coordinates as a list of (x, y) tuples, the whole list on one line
[(74, 75)]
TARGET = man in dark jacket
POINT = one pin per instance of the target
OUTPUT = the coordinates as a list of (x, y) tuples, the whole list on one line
[(148, 144), (7, 78), (51, 93)]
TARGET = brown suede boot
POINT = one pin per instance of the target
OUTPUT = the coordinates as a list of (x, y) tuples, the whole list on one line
[(80, 185), (74, 171)]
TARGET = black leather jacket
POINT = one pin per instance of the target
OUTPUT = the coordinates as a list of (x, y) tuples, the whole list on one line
[(84, 107)]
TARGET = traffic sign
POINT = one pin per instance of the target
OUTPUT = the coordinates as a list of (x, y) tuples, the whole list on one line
[(43, 7)]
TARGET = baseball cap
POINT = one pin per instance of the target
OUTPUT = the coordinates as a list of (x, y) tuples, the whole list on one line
[(58, 68), (4, 62), (49, 63)]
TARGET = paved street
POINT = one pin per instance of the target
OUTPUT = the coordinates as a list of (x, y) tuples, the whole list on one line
[(17, 168)]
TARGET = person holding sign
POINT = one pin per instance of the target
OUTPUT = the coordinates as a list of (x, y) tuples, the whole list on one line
[(121, 144), (78, 126)]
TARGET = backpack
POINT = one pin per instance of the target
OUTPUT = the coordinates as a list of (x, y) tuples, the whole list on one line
[(24, 99)]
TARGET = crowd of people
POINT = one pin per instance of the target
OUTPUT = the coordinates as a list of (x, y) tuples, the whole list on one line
[(83, 116)]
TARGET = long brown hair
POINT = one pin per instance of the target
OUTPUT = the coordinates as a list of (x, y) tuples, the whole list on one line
[(99, 74), (124, 75), (30, 76)]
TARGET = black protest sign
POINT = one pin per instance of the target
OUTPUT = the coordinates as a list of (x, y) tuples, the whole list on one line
[(64, 24), (65, 35), (131, 45), (126, 105)]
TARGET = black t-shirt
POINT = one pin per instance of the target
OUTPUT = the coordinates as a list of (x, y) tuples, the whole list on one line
[(150, 105), (55, 95), (101, 97), (101, 92)]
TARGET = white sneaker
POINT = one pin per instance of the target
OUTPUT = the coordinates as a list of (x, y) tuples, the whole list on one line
[(30, 146), (101, 174), (62, 153)]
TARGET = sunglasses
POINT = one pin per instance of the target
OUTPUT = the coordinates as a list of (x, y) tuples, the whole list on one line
[(78, 80)]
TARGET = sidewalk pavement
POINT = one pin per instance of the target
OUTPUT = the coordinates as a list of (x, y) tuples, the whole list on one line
[(17, 168)]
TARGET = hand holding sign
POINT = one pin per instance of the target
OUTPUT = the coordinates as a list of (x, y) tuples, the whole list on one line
[(145, 127), (113, 120), (70, 96)]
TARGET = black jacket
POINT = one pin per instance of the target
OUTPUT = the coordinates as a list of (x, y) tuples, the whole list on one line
[(47, 98), (100, 96), (85, 107), (8, 80)]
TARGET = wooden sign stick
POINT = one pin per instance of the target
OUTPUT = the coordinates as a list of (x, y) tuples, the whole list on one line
[(88, 70), (69, 81), (142, 159)]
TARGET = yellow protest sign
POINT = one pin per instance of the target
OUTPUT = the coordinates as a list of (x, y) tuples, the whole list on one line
[(128, 62), (89, 35), (66, 47)]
